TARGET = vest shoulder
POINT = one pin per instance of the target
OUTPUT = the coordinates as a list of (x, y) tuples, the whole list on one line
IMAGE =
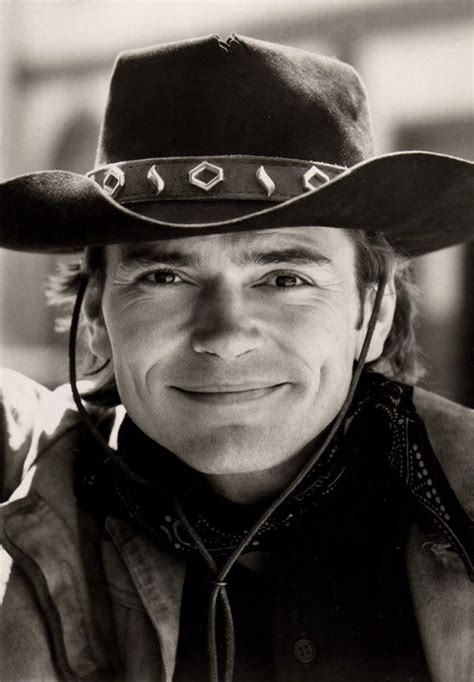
[(444, 418), (450, 429)]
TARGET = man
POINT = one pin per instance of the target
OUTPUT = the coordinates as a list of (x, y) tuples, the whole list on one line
[(244, 497)]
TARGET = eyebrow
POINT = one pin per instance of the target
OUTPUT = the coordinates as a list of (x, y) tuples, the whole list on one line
[(295, 255), (145, 259)]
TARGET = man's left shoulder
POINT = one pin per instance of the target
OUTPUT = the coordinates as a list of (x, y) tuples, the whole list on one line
[(441, 591), (450, 429)]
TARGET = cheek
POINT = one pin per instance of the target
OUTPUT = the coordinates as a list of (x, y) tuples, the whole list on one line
[(323, 334), (327, 348), (141, 334)]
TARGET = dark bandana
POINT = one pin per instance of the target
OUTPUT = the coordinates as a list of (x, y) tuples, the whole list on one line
[(382, 439)]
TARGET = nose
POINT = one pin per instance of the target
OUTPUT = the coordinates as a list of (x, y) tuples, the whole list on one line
[(225, 327)]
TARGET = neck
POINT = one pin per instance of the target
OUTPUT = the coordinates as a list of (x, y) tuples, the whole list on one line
[(258, 486)]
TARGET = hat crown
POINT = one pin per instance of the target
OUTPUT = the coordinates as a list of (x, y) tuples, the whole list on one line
[(207, 96)]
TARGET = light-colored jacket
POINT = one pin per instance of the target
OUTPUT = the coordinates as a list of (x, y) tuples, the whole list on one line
[(74, 596)]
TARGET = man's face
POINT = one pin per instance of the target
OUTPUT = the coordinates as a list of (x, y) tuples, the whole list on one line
[(233, 351)]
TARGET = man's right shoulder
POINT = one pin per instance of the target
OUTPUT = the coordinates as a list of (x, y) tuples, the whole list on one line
[(31, 417)]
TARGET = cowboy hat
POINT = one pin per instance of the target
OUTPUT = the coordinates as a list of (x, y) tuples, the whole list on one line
[(206, 135)]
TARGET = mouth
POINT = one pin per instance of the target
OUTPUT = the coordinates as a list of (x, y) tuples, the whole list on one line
[(225, 394)]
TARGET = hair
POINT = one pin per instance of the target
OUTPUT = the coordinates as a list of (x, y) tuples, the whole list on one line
[(401, 357), (375, 259)]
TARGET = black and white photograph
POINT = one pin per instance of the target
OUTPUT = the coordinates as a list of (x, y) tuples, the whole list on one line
[(236, 341)]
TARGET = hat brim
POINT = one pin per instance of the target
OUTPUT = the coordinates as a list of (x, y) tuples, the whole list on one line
[(421, 201)]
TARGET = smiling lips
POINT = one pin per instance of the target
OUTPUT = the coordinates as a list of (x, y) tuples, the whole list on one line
[(224, 394)]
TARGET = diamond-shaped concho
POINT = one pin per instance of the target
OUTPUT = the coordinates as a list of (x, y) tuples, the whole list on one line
[(113, 181), (194, 174), (314, 172)]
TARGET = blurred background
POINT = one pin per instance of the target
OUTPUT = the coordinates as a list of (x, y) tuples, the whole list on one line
[(415, 56)]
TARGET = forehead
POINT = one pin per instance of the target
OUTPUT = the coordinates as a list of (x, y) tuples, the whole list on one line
[(321, 244)]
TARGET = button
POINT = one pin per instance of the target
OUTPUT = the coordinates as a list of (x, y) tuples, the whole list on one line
[(304, 651)]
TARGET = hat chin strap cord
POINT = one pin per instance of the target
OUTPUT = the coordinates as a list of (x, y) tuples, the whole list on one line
[(218, 591)]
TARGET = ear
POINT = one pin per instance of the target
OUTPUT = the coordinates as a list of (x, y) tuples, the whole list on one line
[(383, 324), (97, 335)]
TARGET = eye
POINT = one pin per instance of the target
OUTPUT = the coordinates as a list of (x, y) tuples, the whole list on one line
[(161, 277), (287, 280)]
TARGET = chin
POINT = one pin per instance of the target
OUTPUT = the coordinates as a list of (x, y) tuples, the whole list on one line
[(221, 452)]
